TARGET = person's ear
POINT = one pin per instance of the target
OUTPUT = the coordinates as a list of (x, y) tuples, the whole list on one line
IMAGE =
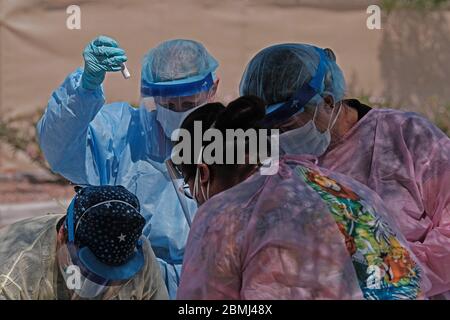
[(213, 90), (204, 173), (329, 101), (62, 234)]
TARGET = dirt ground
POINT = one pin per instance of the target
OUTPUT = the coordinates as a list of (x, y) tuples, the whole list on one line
[(22, 181), (24, 191), (22, 198)]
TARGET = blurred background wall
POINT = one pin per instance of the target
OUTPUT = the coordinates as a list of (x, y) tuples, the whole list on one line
[(38, 51), (405, 64)]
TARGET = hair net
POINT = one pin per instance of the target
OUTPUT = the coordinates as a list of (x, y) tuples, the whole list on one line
[(277, 72), (177, 76), (177, 60)]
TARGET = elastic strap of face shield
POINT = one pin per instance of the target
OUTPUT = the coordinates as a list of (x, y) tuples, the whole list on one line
[(281, 112), (177, 88), (70, 221), (176, 175), (70, 224)]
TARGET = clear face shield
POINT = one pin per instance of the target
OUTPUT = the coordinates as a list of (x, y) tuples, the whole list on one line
[(278, 114), (85, 275), (174, 100), (182, 189), (82, 282)]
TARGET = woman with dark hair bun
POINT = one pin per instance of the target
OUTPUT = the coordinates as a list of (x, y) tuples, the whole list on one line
[(400, 155), (301, 233)]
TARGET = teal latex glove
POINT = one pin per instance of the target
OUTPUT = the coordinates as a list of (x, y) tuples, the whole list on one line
[(101, 55)]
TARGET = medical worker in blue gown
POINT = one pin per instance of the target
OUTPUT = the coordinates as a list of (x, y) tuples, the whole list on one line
[(91, 142)]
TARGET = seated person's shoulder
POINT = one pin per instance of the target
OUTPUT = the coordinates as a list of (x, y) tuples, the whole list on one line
[(26, 245), (149, 276), (29, 229)]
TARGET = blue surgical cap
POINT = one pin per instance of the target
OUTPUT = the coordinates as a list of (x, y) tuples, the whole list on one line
[(177, 60), (277, 72)]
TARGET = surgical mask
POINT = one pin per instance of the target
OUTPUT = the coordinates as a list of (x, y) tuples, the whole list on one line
[(308, 139), (171, 120)]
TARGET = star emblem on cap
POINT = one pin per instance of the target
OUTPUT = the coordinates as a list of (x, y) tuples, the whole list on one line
[(121, 237)]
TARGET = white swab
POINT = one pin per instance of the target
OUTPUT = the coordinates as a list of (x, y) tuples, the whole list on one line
[(125, 72)]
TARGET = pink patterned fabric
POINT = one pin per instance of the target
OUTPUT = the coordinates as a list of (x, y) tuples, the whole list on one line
[(406, 160), (304, 233)]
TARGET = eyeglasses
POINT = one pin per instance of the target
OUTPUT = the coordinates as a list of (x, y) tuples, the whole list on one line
[(181, 189), (186, 191), (179, 180)]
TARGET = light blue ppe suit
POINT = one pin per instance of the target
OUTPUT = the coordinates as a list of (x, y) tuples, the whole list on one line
[(89, 142)]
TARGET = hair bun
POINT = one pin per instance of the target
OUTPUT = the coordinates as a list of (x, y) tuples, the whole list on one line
[(330, 54), (243, 113)]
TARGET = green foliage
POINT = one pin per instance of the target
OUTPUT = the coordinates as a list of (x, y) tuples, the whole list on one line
[(20, 134), (423, 5), (436, 112), (440, 115)]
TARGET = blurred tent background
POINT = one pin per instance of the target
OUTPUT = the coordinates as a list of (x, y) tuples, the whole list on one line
[(406, 64)]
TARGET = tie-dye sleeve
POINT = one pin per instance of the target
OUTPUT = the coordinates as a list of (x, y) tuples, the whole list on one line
[(429, 149), (272, 246), (211, 260)]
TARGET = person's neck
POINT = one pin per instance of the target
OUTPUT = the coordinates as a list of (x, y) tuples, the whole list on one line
[(243, 175), (348, 117)]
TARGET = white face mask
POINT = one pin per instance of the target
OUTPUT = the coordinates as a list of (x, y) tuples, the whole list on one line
[(308, 139), (171, 120)]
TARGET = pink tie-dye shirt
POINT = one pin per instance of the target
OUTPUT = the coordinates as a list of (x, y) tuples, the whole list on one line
[(303, 233), (406, 160)]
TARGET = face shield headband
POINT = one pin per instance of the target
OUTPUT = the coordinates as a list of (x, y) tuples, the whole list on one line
[(280, 112), (177, 88)]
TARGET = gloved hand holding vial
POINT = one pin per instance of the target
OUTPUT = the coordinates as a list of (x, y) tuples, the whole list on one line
[(102, 55)]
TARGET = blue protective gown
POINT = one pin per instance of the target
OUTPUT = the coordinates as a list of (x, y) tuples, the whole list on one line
[(90, 142)]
